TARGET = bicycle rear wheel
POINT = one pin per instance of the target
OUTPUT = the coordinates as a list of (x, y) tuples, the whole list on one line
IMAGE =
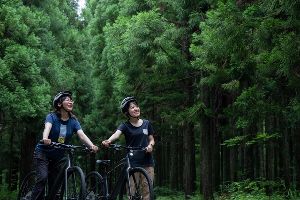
[(95, 186), (138, 187), (27, 186), (76, 187)]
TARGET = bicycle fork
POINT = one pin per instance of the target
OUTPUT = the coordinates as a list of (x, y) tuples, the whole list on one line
[(66, 178), (129, 181)]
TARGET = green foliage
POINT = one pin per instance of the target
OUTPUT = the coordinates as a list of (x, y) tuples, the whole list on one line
[(231, 86), (250, 98), (248, 189), (254, 190), (232, 61), (40, 53), (294, 111), (248, 52), (140, 48), (293, 194), (262, 138), (237, 140), (246, 196), (164, 193), (25, 90), (5, 194)]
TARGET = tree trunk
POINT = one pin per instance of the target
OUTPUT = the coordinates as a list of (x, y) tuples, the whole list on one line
[(207, 148), (26, 155), (167, 162), (225, 164), (189, 172), (270, 155), (180, 160), (159, 152), (215, 153), (270, 164), (249, 155), (173, 162), (286, 174), (189, 165), (297, 155), (233, 161), (13, 161), (206, 159)]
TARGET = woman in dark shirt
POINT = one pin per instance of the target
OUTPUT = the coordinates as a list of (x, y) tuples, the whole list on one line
[(138, 133)]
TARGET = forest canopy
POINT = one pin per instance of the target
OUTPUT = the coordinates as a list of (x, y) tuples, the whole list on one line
[(219, 80)]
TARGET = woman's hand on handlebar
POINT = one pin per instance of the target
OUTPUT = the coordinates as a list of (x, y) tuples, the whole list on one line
[(106, 143), (46, 141), (149, 148), (94, 149)]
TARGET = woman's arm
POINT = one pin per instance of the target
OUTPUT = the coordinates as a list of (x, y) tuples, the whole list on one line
[(84, 138), (112, 138), (46, 133), (149, 148)]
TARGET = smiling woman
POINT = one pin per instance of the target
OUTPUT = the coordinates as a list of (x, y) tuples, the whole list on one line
[(138, 133), (60, 126)]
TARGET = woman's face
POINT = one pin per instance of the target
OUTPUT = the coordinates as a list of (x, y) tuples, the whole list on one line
[(134, 110), (67, 104)]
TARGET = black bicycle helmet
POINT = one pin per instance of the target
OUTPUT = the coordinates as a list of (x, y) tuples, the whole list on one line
[(58, 97), (125, 103)]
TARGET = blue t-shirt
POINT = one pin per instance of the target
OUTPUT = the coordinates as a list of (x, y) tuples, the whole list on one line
[(61, 131), (138, 137)]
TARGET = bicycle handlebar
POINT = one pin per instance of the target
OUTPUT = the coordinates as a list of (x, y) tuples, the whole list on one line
[(118, 147), (58, 145)]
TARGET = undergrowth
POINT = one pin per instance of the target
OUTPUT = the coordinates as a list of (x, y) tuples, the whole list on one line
[(243, 190)]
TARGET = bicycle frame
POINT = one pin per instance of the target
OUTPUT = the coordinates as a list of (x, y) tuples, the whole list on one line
[(70, 163), (124, 175), (61, 182)]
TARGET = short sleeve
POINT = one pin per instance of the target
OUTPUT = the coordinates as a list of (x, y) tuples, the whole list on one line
[(49, 118), (150, 129), (122, 128), (77, 126)]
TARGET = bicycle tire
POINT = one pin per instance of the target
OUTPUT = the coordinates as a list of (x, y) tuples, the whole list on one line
[(139, 189), (95, 186), (76, 187), (27, 185)]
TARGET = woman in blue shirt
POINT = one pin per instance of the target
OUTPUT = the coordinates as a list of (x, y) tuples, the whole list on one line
[(60, 126)]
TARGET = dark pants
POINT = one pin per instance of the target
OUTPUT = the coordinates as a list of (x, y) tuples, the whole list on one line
[(47, 169)]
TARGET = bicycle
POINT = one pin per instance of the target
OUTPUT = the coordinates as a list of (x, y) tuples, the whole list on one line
[(73, 186), (133, 182)]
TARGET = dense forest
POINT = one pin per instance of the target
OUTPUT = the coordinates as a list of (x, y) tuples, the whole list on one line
[(219, 80)]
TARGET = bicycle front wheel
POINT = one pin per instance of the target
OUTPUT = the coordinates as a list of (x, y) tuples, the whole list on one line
[(76, 187), (27, 186), (95, 186), (138, 187)]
